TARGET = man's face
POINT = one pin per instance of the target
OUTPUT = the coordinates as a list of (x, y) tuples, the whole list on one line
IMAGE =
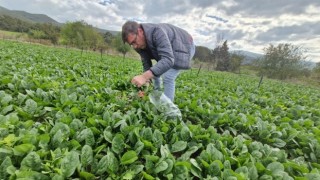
[(137, 41)]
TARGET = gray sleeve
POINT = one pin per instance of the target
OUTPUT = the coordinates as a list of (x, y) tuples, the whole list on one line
[(163, 47), (146, 61)]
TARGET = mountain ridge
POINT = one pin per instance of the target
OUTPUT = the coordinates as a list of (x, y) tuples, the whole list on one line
[(39, 18), (28, 17)]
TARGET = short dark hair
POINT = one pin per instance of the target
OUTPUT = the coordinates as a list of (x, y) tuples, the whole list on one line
[(129, 27)]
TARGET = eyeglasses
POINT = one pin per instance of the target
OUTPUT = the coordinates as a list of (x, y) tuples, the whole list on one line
[(134, 41)]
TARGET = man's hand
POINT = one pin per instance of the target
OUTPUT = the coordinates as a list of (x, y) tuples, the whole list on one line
[(139, 80), (142, 79), (141, 94)]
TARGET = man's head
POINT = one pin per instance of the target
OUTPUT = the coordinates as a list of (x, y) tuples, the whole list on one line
[(132, 33)]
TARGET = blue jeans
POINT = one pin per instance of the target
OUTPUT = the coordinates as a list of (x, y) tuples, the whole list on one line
[(169, 79)]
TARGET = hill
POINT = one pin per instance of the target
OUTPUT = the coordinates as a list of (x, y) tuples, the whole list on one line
[(38, 18), (28, 17), (249, 57)]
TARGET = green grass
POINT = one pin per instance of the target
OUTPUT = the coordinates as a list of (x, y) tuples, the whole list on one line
[(12, 35)]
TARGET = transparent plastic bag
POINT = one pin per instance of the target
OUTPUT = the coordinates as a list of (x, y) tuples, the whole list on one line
[(164, 105)]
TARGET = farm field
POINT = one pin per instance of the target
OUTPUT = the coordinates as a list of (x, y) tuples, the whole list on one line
[(64, 115)]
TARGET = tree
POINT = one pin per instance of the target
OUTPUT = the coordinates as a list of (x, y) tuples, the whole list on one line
[(236, 61), (50, 32), (9, 23), (202, 53), (94, 39), (36, 34), (35, 30), (81, 35), (71, 32), (120, 46), (282, 61), (316, 70), (108, 37), (223, 56)]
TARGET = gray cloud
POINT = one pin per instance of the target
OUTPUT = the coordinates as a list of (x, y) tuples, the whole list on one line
[(168, 7), (290, 33), (217, 18), (269, 8)]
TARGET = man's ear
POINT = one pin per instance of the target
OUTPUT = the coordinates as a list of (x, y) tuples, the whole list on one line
[(140, 31)]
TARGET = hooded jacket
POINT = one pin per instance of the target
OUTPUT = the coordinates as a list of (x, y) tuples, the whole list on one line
[(168, 45)]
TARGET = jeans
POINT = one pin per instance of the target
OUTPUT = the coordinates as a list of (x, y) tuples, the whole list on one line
[(169, 79)]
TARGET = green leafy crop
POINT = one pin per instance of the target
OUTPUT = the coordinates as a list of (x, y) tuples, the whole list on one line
[(67, 116)]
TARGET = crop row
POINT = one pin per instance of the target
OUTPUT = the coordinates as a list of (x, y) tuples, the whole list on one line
[(64, 115)]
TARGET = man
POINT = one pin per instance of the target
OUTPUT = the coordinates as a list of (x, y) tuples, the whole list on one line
[(171, 46)]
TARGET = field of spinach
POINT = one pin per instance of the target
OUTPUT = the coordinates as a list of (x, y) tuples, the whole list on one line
[(64, 115)]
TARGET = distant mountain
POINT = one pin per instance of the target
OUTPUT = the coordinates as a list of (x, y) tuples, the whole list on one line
[(39, 18), (310, 64), (28, 17), (249, 57), (104, 31), (248, 53)]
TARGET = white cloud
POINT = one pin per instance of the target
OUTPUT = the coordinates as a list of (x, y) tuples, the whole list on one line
[(246, 24)]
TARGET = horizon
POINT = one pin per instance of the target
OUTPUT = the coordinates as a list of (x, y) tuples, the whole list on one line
[(244, 27)]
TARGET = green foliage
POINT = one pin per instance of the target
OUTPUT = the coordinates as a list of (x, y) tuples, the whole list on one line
[(129, 157), (316, 70), (69, 163), (36, 34), (283, 61), (35, 30), (81, 35), (45, 31), (236, 61), (203, 54), (6, 163), (9, 23), (223, 57), (108, 37), (123, 48), (63, 116)]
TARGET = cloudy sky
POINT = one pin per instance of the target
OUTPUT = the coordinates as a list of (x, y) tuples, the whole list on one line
[(249, 25)]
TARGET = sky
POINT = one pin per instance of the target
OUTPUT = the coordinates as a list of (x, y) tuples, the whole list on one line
[(249, 25)]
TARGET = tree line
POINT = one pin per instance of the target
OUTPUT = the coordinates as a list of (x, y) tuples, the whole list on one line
[(282, 61), (77, 34)]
